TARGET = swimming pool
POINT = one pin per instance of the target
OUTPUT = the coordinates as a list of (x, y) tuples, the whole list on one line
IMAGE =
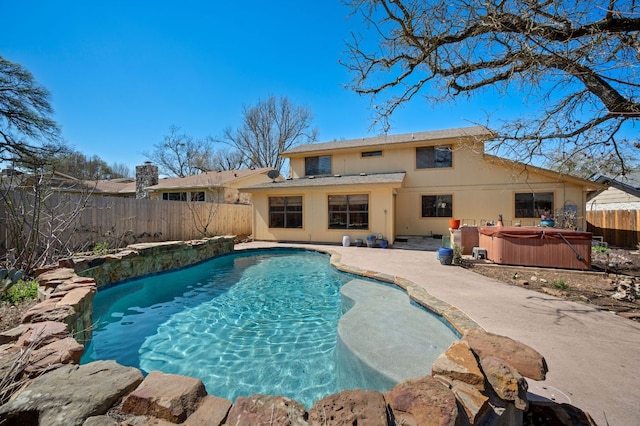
[(256, 322)]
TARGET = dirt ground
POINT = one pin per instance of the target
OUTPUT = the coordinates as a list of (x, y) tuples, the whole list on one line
[(599, 288), (602, 287), (10, 316)]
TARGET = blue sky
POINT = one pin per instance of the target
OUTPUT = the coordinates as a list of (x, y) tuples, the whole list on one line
[(121, 73)]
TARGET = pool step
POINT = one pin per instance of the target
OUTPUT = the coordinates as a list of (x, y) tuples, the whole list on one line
[(384, 339)]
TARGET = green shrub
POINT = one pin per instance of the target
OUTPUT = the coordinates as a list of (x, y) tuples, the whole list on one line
[(20, 292), (600, 249), (101, 248), (559, 284)]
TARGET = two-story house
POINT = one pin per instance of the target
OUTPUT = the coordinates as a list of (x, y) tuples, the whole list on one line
[(409, 184)]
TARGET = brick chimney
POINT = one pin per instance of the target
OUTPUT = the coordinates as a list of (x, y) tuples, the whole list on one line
[(146, 175)]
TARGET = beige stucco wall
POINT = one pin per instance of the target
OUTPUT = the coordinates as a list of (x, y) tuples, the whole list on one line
[(481, 189), (232, 195), (315, 215)]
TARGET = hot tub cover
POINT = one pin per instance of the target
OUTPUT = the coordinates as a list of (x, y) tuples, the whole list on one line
[(533, 232)]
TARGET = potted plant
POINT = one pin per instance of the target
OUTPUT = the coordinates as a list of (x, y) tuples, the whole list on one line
[(546, 219)]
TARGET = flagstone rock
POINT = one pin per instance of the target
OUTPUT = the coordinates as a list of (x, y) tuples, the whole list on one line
[(422, 401), (507, 383), (266, 410), (165, 396), (211, 412), (100, 421), (49, 310), (55, 275), (74, 308), (78, 297), (39, 334), (350, 407), (146, 421), (68, 395), (53, 355), (459, 363), (12, 335), (523, 358), (474, 403), (8, 356)]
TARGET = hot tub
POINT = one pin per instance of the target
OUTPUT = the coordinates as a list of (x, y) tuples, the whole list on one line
[(536, 246)]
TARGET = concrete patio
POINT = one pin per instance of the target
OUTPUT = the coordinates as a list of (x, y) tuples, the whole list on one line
[(593, 356)]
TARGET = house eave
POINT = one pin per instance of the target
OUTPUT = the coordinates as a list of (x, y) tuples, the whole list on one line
[(393, 179), (474, 134), (587, 185)]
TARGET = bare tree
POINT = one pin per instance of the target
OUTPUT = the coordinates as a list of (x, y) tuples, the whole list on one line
[(34, 230), (583, 164), (227, 159), (575, 63), (120, 170), (36, 222), (181, 155), (28, 133), (81, 166), (270, 128)]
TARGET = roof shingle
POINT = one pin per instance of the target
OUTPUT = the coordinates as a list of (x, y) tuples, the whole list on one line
[(464, 132)]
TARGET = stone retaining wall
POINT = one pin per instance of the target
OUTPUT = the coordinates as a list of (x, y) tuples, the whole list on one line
[(143, 259), (479, 380)]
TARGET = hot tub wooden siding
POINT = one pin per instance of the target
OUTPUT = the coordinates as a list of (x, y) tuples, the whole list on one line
[(537, 246)]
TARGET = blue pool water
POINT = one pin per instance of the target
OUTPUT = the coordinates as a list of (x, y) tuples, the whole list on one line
[(244, 324), (256, 322)]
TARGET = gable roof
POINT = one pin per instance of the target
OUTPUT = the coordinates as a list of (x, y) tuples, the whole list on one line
[(217, 178), (476, 132), (112, 186), (629, 183)]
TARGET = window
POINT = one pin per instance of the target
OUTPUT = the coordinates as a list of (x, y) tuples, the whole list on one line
[(197, 196), (285, 212), (314, 166), (349, 211), (430, 157), (174, 196), (371, 154), (182, 196), (437, 206), (530, 204)]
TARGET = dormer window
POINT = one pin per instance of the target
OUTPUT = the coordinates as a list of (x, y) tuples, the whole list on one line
[(430, 157), (317, 166)]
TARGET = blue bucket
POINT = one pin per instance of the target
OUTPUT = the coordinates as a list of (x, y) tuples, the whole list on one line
[(445, 255)]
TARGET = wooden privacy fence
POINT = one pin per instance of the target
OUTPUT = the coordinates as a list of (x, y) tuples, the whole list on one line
[(618, 228), (122, 221)]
